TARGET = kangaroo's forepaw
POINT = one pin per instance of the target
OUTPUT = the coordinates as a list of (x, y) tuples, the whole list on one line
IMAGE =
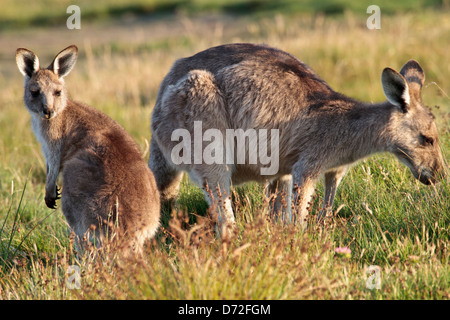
[(50, 198)]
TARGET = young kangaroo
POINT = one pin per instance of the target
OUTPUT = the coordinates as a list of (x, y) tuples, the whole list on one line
[(105, 179), (321, 132)]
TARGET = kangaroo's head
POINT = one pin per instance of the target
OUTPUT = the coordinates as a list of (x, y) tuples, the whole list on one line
[(413, 131), (45, 93)]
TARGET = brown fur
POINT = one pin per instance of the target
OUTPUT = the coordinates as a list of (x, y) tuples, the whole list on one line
[(105, 179), (322, 132)]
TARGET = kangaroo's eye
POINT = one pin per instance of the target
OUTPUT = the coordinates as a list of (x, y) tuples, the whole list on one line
[(57, 93), (427, 141), (34, 93)]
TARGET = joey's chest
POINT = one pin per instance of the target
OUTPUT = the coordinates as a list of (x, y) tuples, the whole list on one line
[(45, 135)]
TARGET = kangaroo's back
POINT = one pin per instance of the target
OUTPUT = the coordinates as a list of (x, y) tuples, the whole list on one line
[(217, 58), (259, 84), (109, 171)]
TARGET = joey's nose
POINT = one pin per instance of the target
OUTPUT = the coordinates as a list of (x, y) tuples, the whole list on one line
[(48, 113)]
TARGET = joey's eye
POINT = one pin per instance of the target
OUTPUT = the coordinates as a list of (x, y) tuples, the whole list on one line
[(427, 141), (57, 93), (34, 93)]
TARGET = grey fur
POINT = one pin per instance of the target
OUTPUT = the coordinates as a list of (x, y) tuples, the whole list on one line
[(322, 132)]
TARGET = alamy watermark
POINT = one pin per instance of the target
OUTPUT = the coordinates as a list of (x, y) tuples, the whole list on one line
[(236, 147), (74, 277), (74, 20), (374, 21), (373, 280)]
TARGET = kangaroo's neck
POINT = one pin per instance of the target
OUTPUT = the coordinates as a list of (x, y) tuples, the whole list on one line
[(363, 130), (370, 124)]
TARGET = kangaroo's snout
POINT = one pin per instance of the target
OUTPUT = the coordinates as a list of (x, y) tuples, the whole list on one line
[(427, 179), (427, 166), (48, 112), (434, 178), (439, 174)]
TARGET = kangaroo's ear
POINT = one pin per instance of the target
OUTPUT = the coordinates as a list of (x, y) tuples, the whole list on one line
[(415, 76), (64, 61), (395, 89), (27, 61)]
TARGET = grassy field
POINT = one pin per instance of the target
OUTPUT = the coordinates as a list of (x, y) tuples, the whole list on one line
[(385, 217)]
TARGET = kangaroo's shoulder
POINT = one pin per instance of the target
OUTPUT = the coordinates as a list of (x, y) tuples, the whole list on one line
[(93, 122), (85, 115), (237, 52)]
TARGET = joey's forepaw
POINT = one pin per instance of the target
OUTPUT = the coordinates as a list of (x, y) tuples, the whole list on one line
[(50, 199), (50, 202)]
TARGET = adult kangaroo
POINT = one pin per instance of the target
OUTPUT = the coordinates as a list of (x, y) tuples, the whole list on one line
[(321, 132), (105, 179)]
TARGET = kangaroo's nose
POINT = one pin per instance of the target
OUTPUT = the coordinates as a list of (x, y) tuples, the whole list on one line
[(48, 113)]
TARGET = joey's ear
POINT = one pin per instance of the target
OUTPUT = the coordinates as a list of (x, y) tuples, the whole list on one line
[(27, 61), (64, 61), (395, 89), (415, 77)]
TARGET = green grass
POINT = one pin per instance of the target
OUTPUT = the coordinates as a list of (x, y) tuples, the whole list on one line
[(386, 217)]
